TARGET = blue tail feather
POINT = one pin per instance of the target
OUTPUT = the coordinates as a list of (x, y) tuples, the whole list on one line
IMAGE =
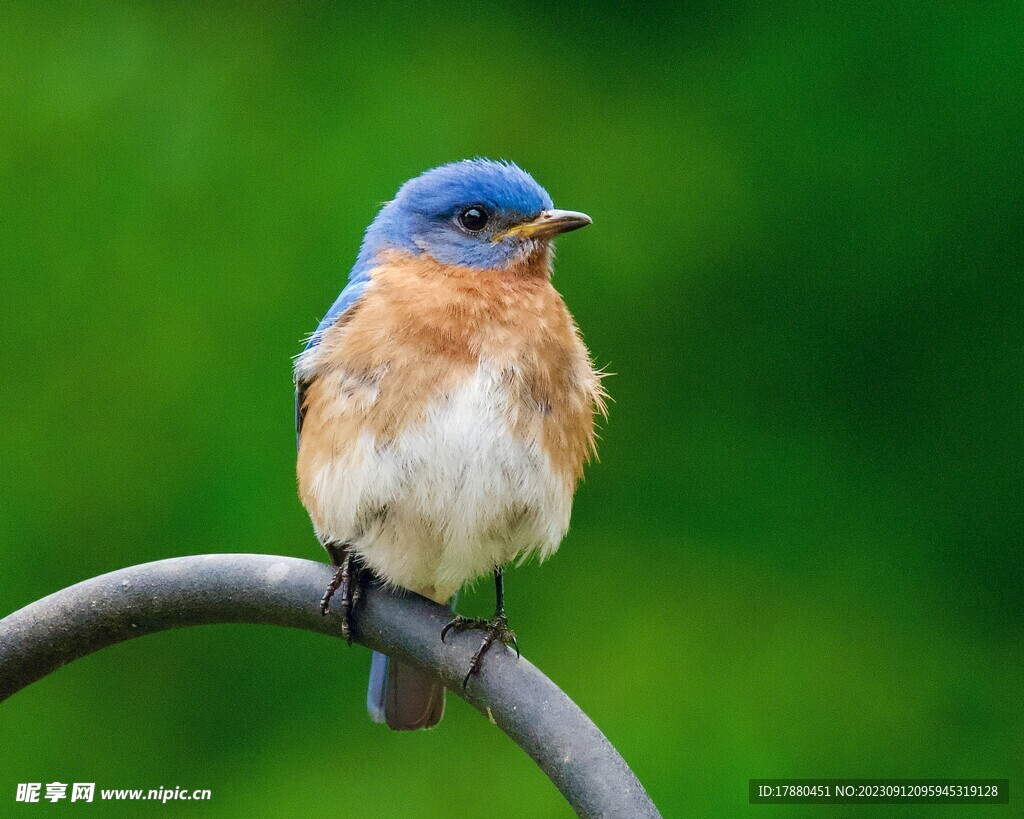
[(378, 686)]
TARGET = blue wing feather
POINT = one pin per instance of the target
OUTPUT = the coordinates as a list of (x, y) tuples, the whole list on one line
[(348, 297), (353, 290)]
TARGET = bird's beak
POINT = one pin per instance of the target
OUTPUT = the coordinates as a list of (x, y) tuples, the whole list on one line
[(549, 223)]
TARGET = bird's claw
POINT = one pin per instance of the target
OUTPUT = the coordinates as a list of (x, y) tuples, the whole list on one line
[(495, 630), (347, 579)]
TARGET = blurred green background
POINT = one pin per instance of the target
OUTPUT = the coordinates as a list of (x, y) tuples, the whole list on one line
[(800, 554)]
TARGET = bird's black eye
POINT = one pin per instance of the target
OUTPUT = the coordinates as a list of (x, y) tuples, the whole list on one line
[(474, 219)]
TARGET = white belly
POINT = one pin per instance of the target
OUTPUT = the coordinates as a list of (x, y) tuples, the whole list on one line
[(451, 498)]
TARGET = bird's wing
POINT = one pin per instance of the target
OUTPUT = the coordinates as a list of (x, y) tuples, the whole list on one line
[(345, 301)]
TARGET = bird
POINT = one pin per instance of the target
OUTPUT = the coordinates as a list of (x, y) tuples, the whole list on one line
[(445, 407)]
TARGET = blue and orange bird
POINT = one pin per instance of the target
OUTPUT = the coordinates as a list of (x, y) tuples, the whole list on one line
[(445, 405)]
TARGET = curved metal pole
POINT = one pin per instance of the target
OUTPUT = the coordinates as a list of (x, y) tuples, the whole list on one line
[(285, 591)]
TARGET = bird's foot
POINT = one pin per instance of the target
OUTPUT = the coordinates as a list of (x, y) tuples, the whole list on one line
[(495, 630), (348, 581)]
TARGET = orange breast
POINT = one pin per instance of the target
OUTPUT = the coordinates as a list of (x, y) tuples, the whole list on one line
[(421, 328)]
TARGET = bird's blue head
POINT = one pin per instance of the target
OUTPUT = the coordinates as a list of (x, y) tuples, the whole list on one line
[(475, 213)]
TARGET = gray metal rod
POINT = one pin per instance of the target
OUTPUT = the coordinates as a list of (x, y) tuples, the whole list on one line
[(285, 591)]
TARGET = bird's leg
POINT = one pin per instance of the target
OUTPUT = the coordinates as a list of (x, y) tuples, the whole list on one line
[(348, 579), (494, 629)]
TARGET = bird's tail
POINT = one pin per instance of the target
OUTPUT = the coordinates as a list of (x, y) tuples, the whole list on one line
[(404, 697)]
